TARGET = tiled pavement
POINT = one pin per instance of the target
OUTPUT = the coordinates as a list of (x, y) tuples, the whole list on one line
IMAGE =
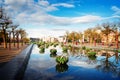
[(14, 69)]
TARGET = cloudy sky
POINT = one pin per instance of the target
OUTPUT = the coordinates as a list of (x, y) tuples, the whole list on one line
[(42, 18)]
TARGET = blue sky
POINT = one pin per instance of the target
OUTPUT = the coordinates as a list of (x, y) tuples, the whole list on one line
[(42, 18)]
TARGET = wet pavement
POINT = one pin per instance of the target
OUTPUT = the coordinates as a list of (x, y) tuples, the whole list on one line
[(14, 69)]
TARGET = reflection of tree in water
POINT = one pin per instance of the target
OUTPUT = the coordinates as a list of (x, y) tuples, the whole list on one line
[(53, 55), (74, 50), (110, 67), (91, 60), (61, 68)]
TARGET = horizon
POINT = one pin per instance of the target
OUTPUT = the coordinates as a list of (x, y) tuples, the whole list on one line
[(43, 18)]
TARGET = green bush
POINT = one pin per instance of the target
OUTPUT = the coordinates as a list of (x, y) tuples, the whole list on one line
[(47, 45), (88, 49), (42, 49), (53, 51), (38, 45), (65, 49), (61, 59), (91, 53), (41, 44), (62, 44), (54, 45), (83, 47), (50, 44), (69, 46), (119, 51)]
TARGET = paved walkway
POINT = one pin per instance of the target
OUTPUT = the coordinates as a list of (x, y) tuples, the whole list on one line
[(6, 54), (14, 69)]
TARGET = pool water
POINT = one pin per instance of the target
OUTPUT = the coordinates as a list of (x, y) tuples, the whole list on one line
[(42, 66)]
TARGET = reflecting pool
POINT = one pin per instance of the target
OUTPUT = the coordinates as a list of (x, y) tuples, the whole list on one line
[(43, 66)]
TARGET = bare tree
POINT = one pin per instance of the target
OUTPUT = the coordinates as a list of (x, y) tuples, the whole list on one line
[(4, 22)]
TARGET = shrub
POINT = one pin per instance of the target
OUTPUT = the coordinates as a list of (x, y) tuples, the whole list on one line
[(119, 51), (83, 47), (91, 53), (61, 59), (53, 51), (41, 44), (69, 46), (42, 49), (55, 45), (50, 44), (47, 45), (38, 45), (65, 49), (88, 49), (62, 44)]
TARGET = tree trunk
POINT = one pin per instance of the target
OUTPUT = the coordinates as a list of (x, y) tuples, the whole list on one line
[(117, 46), (21, 41), (9, 41), (94, 42), (116, 57), (89, 40), (17, 41), (73, 40), (14, 39), (4, 38), (107, 41), (107, 59)]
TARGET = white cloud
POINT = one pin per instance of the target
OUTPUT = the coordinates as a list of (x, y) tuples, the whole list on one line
[(81, 64), (43, 3), (116, 9), (52, 7), (36, 14), (44, 33), (87, 19), (64, 5)]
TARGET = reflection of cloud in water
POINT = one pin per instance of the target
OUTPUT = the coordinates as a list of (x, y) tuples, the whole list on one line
[(82, 64), (35, 50), (41, 63)]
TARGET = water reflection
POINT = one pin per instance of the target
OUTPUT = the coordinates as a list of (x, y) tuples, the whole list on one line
[(80, 65), (110, 65), (53, 55), (74, 50), (61, 67), (92, 57)]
